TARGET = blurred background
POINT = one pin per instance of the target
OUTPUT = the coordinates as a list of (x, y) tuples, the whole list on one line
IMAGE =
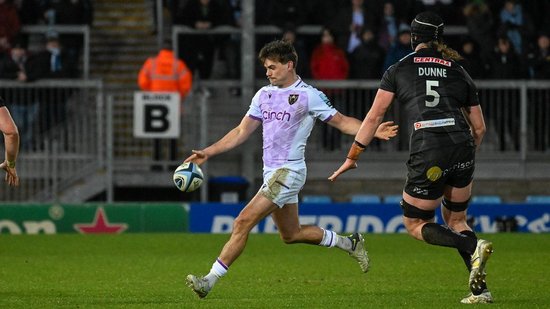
[(69, 74)]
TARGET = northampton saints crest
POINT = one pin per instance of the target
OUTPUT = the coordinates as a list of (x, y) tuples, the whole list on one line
[(293, 98)]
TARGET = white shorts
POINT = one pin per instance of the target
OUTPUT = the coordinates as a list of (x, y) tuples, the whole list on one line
[(281, 186)]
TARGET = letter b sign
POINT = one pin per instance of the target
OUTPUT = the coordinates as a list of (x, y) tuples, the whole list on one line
[(156, 115)]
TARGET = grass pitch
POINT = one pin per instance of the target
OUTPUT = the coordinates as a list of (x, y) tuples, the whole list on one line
[(148, 271)]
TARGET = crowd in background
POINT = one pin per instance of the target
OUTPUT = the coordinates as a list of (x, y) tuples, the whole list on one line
[(505, 39), (26, 57)]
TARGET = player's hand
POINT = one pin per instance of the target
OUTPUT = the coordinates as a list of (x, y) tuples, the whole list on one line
[(198, 157), (11, 174), (386, 130), (347, 165)]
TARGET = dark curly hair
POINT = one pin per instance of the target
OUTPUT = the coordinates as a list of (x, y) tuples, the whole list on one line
[(280, 51)]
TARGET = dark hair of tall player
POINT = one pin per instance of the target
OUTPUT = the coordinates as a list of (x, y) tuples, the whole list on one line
[(446, 121)]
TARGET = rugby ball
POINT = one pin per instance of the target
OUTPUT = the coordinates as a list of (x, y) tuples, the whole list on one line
[(188, 177)]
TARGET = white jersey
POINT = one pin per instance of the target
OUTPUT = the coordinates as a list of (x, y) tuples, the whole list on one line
[(287, 116)]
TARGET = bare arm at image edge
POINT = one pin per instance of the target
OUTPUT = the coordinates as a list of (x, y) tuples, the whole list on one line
[(11, 143)]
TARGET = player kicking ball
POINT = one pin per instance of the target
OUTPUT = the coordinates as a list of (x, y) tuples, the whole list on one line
[(286, 109)]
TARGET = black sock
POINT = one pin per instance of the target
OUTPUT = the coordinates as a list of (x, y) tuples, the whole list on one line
[(439, 235), (467, 257)]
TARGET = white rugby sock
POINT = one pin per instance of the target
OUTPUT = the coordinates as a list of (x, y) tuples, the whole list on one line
[(329, 238), (218, 270), (343, 243)]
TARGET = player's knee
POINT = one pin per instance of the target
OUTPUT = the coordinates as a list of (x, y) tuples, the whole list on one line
[(455, 206), (288, 238), (242, 224)]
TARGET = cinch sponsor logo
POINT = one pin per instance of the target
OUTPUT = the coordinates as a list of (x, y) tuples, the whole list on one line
[(282, 116), (432, 60)]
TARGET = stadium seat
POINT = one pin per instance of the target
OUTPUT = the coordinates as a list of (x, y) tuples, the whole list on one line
[(492, 199), (365, 199), (537, 199), (392, 199), (316, 199)]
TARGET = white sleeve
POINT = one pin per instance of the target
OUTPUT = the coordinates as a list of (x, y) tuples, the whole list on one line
[(320, 106), (254, 110)]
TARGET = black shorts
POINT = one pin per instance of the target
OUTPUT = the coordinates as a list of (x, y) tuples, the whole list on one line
[(431, 170)]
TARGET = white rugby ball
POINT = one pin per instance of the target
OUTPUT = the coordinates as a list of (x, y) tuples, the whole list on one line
[(188, 177)]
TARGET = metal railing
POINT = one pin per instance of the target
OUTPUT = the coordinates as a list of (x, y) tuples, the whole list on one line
[(75, 146), (62, 130)]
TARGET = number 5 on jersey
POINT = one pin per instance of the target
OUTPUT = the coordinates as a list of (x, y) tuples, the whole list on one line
[(430, 84)]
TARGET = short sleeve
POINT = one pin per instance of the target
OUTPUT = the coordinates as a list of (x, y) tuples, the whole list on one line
[(254, 110), (388, 79), (473, 98), (320, 105)]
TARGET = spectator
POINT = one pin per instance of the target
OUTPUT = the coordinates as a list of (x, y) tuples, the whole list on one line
[(71, 12), (51, 63), (480, 24), (9, 24), (348, 22), (401, 48), (368, 58), (328, 61), (539, 58), (472, 62), (388, 27), (504, 63), (167, 73), (198, 50), (514, 23), (24, 109)]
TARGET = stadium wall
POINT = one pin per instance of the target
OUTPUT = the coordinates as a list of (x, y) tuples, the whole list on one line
[(218, 218)]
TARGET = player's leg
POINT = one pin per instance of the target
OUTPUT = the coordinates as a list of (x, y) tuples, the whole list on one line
[(455, 204), (418, 217), (291, 231), (257, 209)]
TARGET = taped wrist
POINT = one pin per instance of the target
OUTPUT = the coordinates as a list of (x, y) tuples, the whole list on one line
[(355, 151), (10, 164)]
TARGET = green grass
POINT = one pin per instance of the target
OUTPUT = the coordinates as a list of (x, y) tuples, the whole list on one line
[(148, 271)]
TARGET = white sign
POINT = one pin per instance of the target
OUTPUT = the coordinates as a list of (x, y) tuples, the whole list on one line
[(156, 114)]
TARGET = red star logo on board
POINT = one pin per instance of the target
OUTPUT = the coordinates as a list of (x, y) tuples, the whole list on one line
[(100, 225)]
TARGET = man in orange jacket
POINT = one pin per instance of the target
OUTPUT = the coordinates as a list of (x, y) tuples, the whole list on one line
[(165, 73)]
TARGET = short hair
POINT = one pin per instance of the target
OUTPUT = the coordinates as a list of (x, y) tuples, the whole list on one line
[(280, 51)]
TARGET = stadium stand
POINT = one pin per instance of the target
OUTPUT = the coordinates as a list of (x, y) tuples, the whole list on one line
[(321, 199), (392, 199), (537, 199), (365, 199), (494, 199)]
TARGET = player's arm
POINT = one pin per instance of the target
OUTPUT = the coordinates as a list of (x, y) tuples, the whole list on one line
[(11, 143), (232, 139), (474, 116), (370, 124), (350, 126)]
